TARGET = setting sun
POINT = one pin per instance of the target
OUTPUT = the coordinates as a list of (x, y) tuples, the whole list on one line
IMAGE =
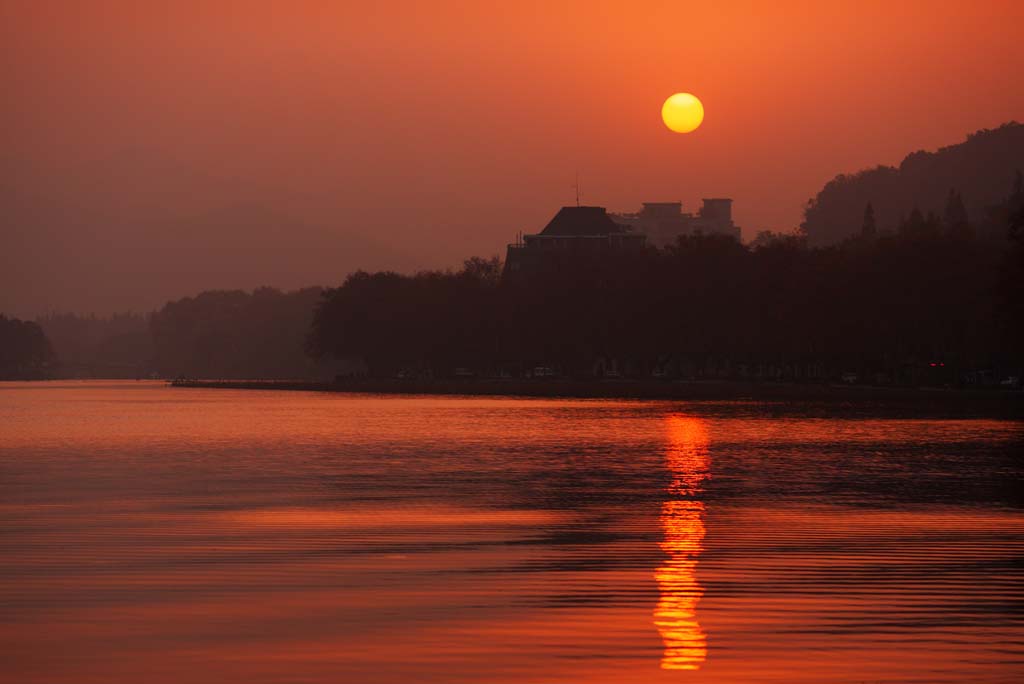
[(682, 113)]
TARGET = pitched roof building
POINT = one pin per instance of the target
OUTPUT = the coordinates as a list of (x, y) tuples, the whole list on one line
[(574, 231)]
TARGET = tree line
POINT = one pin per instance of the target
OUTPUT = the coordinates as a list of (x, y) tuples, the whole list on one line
[(932, 300), (217, 333), (235, 334), (929, 302), (116, 346)]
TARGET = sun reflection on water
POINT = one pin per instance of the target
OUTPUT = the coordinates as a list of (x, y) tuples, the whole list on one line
[(682, 518)]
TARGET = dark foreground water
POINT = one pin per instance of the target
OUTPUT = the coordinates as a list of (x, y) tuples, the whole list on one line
[(151, 534)]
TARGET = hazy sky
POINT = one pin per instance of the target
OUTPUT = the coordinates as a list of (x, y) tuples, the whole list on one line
[(152, 153)]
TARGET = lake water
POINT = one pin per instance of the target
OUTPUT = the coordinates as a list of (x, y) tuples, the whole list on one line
[(154, 534)]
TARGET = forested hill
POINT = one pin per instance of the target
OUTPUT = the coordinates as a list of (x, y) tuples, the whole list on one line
[(981, 169)]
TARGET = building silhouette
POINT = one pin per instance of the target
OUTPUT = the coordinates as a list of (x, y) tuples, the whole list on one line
[(664, 222), (574, 233)]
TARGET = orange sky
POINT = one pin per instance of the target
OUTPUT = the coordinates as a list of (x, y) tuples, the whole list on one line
[(154, 153)]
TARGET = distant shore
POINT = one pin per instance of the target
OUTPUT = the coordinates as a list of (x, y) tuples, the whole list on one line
[(695, 390)]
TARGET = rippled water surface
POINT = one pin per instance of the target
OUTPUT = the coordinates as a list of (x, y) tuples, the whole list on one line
[(153, 534)]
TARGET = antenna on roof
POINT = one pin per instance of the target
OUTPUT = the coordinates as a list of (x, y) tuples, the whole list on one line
[(577, 186)]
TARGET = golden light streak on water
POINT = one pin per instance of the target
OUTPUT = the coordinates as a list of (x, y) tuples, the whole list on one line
[(682, 520)]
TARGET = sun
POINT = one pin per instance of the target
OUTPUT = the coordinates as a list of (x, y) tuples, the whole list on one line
[(682, 113)]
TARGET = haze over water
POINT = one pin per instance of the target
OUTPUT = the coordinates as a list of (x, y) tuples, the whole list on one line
[(162, 534)]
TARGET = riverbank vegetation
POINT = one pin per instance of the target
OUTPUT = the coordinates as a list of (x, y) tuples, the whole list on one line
[(235, 334), (931, 303)]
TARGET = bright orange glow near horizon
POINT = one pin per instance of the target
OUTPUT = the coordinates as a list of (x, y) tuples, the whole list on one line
[(287, 144), (683, 522)]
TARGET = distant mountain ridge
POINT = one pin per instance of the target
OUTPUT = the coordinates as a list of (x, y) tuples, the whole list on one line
[(982, 169)]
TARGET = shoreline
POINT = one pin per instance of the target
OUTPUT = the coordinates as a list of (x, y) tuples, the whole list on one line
[(694, 390)]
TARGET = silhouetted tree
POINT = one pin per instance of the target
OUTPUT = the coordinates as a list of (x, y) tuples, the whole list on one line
[(436, 321), (25, 353), (1015, 206), (954, 217), (868, 228), (1010, 285)]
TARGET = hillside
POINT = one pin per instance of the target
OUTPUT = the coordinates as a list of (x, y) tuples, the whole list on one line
[(982, 169)]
